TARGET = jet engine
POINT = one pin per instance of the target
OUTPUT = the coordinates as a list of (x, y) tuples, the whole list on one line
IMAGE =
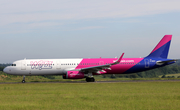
[(73, 75)]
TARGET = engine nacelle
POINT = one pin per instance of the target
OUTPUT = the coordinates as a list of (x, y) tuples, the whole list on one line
[(73, 75)]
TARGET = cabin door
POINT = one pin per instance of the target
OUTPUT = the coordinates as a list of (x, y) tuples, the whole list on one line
[(58, 65), (146, 63), (23, 65), (101, 63)]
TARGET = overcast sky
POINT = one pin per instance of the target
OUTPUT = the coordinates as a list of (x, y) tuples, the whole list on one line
[(86, 28)]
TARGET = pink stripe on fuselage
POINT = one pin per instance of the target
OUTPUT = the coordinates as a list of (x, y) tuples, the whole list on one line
[(163, 41), (124, 65)]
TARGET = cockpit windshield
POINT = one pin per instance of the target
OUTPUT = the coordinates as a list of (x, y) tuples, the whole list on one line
[(13, 65)]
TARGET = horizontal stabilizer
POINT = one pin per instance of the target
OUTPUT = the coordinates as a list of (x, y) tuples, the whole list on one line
[(164, 62)]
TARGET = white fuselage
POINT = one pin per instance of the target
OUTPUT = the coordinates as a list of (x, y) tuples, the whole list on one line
[(42, 66)]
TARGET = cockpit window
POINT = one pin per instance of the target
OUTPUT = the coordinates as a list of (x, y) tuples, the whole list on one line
[(13, 65)]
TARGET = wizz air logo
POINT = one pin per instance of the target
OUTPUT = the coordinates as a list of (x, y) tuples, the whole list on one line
[(41, 64)]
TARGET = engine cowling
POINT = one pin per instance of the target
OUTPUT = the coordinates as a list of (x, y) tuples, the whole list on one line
[(73, 75)]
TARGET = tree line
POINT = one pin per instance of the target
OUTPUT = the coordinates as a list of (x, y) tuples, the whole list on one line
[(2, 66)]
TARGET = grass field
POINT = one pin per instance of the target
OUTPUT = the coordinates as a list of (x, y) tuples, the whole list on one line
[(90, 96), (58, 78), (5, 78)]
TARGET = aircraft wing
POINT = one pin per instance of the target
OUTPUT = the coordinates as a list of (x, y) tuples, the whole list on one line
[(99, 68)]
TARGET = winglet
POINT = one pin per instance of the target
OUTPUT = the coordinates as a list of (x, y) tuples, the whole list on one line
[(119, 60)]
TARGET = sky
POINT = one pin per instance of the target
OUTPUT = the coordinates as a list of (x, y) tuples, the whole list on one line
[(35, 29)]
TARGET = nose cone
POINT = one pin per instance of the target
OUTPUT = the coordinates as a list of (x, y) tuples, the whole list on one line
[(5, 70)]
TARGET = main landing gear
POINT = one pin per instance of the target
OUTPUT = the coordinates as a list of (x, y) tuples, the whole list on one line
[(90, 79), (23, 81)]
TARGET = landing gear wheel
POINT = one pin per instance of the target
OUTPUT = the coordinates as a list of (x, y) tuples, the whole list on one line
[(87, 79), (23, 81), (90, 79)]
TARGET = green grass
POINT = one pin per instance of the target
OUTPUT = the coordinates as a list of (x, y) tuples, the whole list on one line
[(58, 78), (42, 79), (90, 96)]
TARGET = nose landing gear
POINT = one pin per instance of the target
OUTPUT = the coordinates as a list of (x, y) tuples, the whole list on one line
[(23, 81)]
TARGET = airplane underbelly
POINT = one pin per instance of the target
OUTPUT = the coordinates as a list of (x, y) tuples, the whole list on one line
[(45, 72), (118, 69), (39, 72)]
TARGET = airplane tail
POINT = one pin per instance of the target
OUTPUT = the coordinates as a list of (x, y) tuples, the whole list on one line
[(162, 48)]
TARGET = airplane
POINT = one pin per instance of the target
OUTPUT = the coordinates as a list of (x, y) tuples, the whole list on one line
[(80, 68)]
